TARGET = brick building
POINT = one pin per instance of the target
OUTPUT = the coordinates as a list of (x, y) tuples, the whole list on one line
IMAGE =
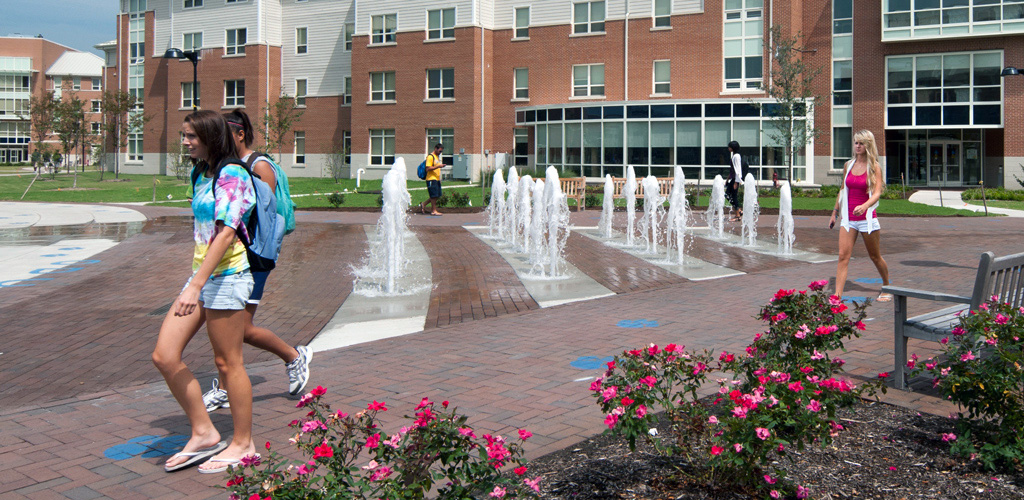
[(31, 67), (588, 85)]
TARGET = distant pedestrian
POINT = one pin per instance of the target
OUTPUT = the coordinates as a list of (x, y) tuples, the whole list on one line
[(296, 358), (434, 166), (215, 294), (858, 197), (732, 184)]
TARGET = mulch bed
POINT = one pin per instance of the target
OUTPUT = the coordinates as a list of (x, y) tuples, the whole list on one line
[(886, 452)]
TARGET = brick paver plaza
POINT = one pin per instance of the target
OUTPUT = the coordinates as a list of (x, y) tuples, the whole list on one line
[(77, 384)]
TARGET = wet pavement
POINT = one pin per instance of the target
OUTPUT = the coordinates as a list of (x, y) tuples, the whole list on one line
[(83, 413)]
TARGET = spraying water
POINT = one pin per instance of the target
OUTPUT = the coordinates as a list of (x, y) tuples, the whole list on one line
[(784, 226), (630, 192), (536, 248), (496, 208), (715, 215), (750, 211), (677, 220), (556, 218), (607, 207), (387, 262), (510, 219), (654, 212), (524, 213)]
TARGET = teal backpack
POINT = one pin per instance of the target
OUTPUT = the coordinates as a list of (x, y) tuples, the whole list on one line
[(287, 207)]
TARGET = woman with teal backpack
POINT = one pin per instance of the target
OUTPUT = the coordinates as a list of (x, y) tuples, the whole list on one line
[(296, 358)]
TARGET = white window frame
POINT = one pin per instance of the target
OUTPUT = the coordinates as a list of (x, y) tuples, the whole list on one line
[(520, 88), (299, 148), (76, 83), (943, 21), (748, 14), (135, 146), (346, 97), (665, 85), (971, 91), (444, 136), (96, 128), (233, 99), (588, 88), (350, 29), (520, 32), (302, 40), (592, 25), (441, 31), (445, 90), (382, 157), (192, 4), (188, 41), (346, 147), (661, 15), (235, 49), (384, 36), (301, 92), (380, 91), (97, 83), (186, 94), (95, 106)]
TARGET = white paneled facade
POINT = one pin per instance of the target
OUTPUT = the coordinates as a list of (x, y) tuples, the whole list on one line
[(326, 63)]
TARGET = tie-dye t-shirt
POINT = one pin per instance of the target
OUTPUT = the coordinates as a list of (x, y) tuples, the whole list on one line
[(233, 204)]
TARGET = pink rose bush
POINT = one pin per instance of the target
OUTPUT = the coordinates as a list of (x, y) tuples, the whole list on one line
[(781, 393), (980, 370), (436, 454)]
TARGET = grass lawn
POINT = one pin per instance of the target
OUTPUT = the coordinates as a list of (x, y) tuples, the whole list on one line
[(1016, 205), (313, 192)]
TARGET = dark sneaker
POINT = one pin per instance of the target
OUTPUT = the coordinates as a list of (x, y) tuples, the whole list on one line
[(298, 370), (216, 397)]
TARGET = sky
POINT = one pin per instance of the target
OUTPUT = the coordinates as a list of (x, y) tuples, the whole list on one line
[(78, 24)]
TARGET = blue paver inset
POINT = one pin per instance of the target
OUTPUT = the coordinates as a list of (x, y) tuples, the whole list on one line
[(591, 362), (637, 323)]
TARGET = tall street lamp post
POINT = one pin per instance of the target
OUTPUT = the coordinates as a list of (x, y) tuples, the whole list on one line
[(193, 56)]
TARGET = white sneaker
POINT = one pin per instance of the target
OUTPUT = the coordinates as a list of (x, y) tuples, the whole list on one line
[(298, 370), (216, 397)]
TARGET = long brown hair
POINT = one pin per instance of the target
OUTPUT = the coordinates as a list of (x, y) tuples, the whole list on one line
[(238, 121), (212, 130), (871, 151)]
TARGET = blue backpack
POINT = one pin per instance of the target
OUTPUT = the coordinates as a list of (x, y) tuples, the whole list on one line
[(421, 171), (285, 205), (265, 226)]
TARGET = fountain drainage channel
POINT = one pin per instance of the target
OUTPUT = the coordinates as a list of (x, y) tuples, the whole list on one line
[(693, 269)]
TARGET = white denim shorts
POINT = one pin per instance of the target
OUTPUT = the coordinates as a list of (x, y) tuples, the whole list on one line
[(864, 226), (225, 292)]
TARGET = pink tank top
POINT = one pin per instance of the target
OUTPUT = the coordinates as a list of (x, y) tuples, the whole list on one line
[(856, 194)]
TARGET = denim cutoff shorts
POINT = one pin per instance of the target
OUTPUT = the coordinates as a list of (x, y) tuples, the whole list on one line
[(226, 292), (865, 226)]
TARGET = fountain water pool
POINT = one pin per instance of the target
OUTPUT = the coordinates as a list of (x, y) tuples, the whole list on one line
[(784, 226)]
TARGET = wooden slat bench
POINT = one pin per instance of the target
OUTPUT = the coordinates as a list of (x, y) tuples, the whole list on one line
[(575, 188), (664, 187), (1002, 276)]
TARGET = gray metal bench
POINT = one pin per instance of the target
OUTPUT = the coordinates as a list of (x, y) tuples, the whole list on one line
[(1002, 276)]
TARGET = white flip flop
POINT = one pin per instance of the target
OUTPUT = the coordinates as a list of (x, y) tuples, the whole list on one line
[(195, 456)]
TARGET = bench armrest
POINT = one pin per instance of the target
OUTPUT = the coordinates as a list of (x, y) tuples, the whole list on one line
[(926, 295)]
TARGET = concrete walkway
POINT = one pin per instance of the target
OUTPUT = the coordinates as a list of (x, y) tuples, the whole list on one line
[(952, 199), (83, 413)]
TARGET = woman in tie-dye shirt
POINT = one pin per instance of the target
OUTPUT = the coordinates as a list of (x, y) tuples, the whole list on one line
[(215, 294)]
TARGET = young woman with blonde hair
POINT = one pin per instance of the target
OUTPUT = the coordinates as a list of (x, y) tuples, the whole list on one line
[(858, 197)]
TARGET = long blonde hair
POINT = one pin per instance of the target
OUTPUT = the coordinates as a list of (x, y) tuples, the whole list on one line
[(871, 150)]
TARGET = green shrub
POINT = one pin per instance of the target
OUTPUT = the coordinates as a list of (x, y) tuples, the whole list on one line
[(457, 199), (993, 194), (591, 200), (336, 199)]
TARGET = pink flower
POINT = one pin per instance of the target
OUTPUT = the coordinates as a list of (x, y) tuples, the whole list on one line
[(712, 419), (947, 437), (782, 293), (800, 334), (423, 403), (958, 330), (883, 375), (313, 425), (596, 384), (779, 317), (814, 406), (774, 494), (838, 309), (520, 470), (983, 306), (305, 400), (372, 465), (373, 441), (738, 447), (860, 326), (892, 468), (323, 451), (802, 492), (725, 357), (340, 414), (641, 411), (768, 479), (817, 355), (626, 401), (835, 300), (649, 381), (305, 469), (825, 329), (466, 431), (498, 492), (739, 412), (318, 391), (250, 460), (716, 450), (818, 285), (381, 473), (393, 441), (610, 420), (944, 340), (533, 483), (609, 393), (653, 349), (525, 434), (376, 406), (796, 386), (967, 357), (763, 433), (1000, 319)]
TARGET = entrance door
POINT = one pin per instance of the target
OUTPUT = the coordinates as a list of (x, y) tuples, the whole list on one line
[(944, 163)]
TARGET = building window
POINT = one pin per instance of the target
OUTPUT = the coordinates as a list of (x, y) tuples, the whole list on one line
[(441, 24), (136, 82), (137, 32), (842, 146), (842, 82), (441, 83), (349, 29), (346, 147), (346, 98), (97, 128), (95, 106), (521, 82), (928, 19), (12, 83), (300, 92), (97, 83), (191, 41), (136, 6), (588, 17), (234, 93), (446, 137), (383, 28), (300, 148), (236, 39), (382, 86), (235, 1), (300, 41), (13, 107), (588, 80), (189, 4), (382, 146), (662, 13), (944, 90), (662, 78), (186, 95), (743, 44), (135, 146), (76, 83), (522, 29), (521, 139)]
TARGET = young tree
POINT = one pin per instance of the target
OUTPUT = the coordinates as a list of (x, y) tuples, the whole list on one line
[(278, 119), (792, 88), (337, 161), (41, 114), (69, 120), (121, 116)]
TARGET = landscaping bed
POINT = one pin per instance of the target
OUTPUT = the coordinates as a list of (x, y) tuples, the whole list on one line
[(885, 452)]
